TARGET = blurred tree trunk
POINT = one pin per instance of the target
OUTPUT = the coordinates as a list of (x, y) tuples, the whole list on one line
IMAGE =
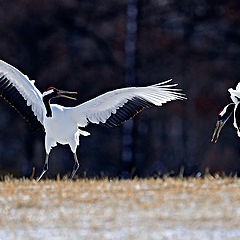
[(130, 80)]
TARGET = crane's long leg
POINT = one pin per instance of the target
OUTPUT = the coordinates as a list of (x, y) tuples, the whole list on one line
[(45, 167), (75, 167)]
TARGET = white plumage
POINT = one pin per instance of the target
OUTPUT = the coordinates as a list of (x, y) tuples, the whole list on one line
[(25, 87), (99, 109), (235, 96), (63, 124)]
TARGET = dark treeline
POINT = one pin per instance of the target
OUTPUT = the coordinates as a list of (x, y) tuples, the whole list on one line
[(80, 46)]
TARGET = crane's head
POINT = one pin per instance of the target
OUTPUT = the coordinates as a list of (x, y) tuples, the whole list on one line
[(52, 92), (222, 117)]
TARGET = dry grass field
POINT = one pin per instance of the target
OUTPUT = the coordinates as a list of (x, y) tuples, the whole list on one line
[(170, 208)]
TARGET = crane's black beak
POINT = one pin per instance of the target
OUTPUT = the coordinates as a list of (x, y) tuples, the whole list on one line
[(218, 128), (66, 93)]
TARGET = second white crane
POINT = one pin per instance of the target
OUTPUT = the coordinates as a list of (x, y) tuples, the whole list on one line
[(227, 111)]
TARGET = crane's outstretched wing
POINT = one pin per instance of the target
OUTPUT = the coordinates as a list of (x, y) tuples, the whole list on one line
[(21, 94), (118, 106)]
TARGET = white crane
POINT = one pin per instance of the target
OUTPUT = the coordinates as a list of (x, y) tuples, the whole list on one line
[(226, 112), (64, 124)]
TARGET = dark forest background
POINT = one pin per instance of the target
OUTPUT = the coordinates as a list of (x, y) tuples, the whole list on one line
[(81, 46)]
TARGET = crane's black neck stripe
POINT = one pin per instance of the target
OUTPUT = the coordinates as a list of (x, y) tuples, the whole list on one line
[(46, 101), (127, 111), (12, 96)]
